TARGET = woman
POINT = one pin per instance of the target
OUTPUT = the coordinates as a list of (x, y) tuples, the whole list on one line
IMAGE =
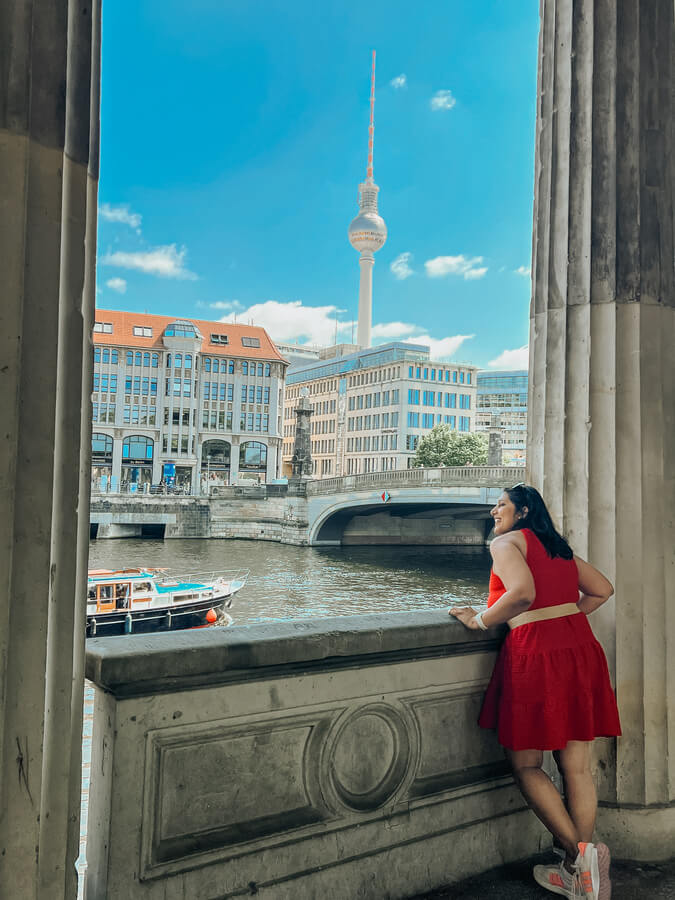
[(550, 688)]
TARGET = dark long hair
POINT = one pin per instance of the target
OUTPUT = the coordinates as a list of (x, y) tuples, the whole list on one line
[(538, 520)]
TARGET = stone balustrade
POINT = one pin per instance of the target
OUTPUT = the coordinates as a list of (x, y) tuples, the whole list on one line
[(317, 758), (480, 476)]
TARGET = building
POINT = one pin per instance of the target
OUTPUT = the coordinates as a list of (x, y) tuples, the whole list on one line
[(504, 394), (372, 406), (183, 402)]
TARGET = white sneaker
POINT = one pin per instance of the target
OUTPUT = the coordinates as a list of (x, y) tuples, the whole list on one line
[(559, 881), (588, 871)]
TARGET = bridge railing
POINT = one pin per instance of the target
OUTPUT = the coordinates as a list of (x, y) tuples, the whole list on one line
[(492, 476)]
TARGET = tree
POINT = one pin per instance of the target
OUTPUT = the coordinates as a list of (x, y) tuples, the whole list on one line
[(445, 447)]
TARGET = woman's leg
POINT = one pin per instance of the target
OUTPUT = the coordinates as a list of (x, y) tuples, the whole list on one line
[(574, 763), (543, 798)]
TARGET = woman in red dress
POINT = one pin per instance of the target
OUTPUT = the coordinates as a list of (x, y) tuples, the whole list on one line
[(550, 688)]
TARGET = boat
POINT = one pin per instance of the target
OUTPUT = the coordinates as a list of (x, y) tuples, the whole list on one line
[(149, 600)]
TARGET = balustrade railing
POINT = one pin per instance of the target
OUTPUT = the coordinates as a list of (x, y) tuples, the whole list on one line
[(492, 476)]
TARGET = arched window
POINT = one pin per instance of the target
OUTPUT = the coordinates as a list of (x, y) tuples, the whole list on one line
[(260, 368), (178, 362), (188, 360), (130, 358), (253, 456), (146, 360), (168, 360), (114, 356), (207, 363), (155, 360), (244, 367), (216, 365), (106, 355), (137, 447), (139, 358), (101, 448), (216, 455)]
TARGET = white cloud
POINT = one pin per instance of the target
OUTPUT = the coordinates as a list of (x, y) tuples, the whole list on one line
[(525, 271), (226, 304), (117, 284), (390, 331), (442, 100), (511, 359), (401, 266), (121, 214), (165, 262), (441, 348), (399, 82), (468, 267), (293, 321)]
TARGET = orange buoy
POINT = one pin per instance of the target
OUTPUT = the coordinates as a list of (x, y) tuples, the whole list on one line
[(211, 616)]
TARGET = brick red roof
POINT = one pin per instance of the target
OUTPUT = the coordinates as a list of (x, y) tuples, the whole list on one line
[(123, 335)]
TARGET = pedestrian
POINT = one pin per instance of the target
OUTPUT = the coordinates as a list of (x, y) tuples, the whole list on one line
[(550, 687)]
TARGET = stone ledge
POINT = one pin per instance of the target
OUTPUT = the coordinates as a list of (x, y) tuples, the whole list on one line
[(140, 664)]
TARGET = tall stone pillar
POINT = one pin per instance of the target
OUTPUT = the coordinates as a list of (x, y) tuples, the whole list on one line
[(301, 463), (601, 442), (495, 455), (49, 96)]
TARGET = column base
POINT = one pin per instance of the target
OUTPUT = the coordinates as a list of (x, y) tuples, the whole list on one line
[(640, 833)]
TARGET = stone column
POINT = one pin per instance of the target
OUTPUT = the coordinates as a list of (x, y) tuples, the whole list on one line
[(301, 463), (495, 442), (601, 442), (48, 194)]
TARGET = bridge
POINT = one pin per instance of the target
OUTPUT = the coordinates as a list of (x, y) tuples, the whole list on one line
[(446, 505), (412, 506)]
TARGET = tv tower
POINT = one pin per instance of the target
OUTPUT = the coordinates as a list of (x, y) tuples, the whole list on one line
[(367, 232)]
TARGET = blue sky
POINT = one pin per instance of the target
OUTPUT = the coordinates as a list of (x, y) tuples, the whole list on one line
[(234, 137)]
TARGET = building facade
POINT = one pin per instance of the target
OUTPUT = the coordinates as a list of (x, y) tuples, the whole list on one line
[(186, 403), (502, 403), (372, 407)]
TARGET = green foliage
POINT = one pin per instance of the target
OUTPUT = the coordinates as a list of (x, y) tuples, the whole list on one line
[(445, 447)]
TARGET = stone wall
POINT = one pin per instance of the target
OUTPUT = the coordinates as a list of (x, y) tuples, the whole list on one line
[(320, 758)]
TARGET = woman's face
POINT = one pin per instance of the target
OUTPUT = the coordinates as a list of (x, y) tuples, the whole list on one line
[(505, 515)]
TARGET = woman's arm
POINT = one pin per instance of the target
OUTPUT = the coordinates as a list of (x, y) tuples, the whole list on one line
[(595, 588), (511, 566)]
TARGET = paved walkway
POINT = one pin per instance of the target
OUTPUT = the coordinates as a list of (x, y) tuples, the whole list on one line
[(630, 881)]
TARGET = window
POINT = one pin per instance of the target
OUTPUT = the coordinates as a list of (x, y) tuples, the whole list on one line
[(178, 361), (413, 420), (188, 361), (260, 370), (103, 327), (461, 377), (138, 359), (207, 363), (244, 367), (219, 339), (410, 371), (464, 422), (113, 384), (394, 396), (230, 367), (251, 393), (137, 447), (114, 357), (222, 389), (153, 386), (97, 354), (250, 342), (230, 392), (130, 358), (464, 401), (137, 384), (266, 395), (181, 328), (146, 360), (155, 360), (97, 380), (268, 370), (142, 331), (394, 420), (145, 385), (468, 377), (428, 420), (244, 393)]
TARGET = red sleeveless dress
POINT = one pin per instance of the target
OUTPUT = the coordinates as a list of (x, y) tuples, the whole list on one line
[(550, 684)]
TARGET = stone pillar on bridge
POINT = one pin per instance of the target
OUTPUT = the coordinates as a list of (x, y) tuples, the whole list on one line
[(495, 442), (301, 463), (601, 443)]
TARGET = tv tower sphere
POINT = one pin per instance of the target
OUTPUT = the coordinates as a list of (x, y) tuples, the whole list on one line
[(367, 232)]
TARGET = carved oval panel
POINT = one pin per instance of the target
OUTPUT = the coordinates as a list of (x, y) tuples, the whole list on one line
[(367, 757)]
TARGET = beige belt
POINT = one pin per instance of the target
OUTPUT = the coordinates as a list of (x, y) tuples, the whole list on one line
[(546, 612)]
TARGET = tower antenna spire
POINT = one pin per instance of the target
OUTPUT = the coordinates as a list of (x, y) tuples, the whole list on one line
[(371, 126), (367, 232)]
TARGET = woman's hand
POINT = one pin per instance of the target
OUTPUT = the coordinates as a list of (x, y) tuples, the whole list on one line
[(466, 616)]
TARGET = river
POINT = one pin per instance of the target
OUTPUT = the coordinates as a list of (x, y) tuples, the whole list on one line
[(288, 582)]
